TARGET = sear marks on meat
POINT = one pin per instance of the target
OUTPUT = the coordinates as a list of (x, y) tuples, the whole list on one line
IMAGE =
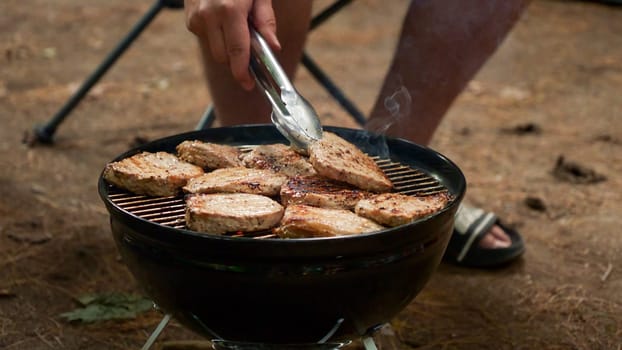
[(209, 155), (231, 212), (338, 159), (394, 209), (300, 221), (320, 192), (241, 180), (278, 158), (153, 174)]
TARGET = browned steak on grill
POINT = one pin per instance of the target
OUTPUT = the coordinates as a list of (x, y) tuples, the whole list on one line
[(320, 192), (338, 159), (394, 209), (154, 174), (209, 155), (301, 221), (242, 180), (231, 212), (278, 158)]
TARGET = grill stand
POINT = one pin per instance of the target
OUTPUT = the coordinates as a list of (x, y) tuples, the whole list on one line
[(156, 333), (367, 340)]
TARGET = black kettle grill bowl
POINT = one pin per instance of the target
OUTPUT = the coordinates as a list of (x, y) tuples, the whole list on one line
[(286, 290)]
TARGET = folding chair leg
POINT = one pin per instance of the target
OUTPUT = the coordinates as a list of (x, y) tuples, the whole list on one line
[(332, 89), (318, 19)]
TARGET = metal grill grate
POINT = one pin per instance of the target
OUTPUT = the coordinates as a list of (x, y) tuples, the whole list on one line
[(170, 211)]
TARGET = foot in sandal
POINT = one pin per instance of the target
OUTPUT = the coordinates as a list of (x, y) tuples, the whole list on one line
[(480, 239)]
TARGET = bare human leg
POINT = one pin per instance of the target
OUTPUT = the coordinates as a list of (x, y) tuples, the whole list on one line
[(442, 45), (234, 105)]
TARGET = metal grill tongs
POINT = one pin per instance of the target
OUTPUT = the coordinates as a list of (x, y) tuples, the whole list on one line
[(292, 115)]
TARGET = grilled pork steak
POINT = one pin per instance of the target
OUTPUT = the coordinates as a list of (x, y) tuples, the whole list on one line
[(320, 192), (301, 221), (394, 209), (231, 212), (338, 159), (209, 155), (241, 180), (278, 158), (153, 174)]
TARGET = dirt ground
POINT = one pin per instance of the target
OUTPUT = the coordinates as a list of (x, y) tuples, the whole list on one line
[(552, 90)]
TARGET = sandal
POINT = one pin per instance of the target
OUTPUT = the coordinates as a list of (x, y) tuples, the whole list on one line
[(470, 226)]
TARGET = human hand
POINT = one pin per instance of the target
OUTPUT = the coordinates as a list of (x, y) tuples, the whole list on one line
[(223, 25)]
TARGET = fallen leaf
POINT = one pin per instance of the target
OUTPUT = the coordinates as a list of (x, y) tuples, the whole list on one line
[(163, 84), (109, 306), (535, 203), (608, 139), (6, 293), (575, 173), (49, 52), (514, 93), (524, 129)]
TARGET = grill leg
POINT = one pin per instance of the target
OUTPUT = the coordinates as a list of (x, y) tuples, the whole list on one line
[(382, 337), (45, 133), (369, 344), (156, 333)]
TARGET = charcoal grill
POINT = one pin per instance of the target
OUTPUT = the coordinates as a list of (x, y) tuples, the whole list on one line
[(257, 288)]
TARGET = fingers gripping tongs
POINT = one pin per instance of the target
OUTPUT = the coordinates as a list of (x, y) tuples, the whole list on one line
[(292, 115)]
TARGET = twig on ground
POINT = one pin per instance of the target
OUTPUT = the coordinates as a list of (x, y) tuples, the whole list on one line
[(42, 338), (32, 251), (16, 344), (605, 275), (62, 346)]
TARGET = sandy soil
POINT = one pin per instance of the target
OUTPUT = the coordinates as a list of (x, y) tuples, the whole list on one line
[(553, 89)]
